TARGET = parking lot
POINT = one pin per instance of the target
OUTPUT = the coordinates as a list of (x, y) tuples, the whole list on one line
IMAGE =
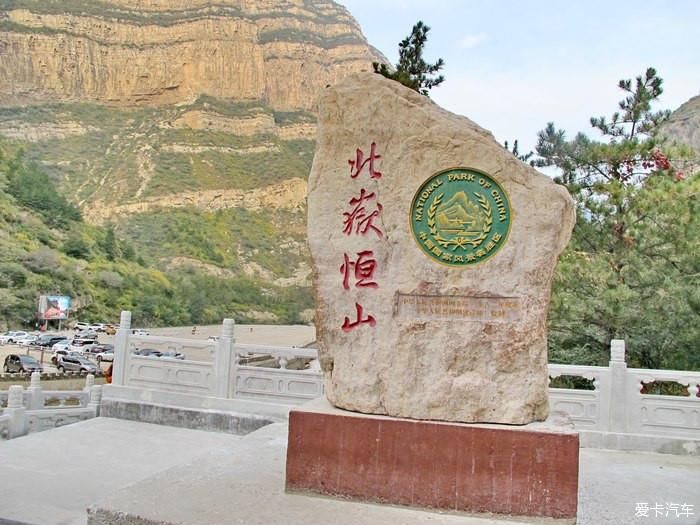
[(44, 357), (295, 335)]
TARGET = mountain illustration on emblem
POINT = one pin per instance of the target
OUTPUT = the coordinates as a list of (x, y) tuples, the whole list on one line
[(459, 214)]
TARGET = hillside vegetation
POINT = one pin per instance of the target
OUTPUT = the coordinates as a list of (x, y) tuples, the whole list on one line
[(175, 137), (46, 247)]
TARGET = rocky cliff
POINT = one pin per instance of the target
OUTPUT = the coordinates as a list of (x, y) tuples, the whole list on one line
[(684, 125), (127, 53), (188, 125)]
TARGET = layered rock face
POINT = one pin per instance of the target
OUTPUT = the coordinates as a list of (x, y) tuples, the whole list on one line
[(161, 52), (684, 125), (433, 251)]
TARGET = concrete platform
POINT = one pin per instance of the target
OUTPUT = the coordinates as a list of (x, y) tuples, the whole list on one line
[(138, 473)]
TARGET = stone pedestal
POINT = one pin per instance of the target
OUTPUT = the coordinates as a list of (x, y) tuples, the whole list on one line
[(529, 470)]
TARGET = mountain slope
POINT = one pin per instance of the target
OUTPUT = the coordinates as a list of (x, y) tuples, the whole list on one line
[(187, 126), (683, 126)]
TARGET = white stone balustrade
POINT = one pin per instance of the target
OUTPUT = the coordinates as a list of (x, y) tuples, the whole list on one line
[(615, 414), (36, 409)]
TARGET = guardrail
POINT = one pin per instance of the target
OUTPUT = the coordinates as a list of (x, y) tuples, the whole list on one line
[(225, 377), (36, 409), (620, 406), (617, 413)]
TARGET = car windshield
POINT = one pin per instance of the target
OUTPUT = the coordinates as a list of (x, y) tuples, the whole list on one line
[(29, 360)]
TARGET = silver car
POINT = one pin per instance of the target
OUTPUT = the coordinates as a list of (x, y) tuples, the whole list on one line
[(72, 363)]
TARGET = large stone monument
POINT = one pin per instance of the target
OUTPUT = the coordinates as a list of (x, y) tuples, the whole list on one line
[(433, 253)]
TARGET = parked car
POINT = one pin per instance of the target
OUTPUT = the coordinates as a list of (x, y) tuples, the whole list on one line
[(79, 325), (60, 354), (97, 327), (99, 347), (76, 364), (171, 354), (27, 340), (22, 363), (86, 334), (140, 331), (48, 340), (106, 355), (80, 344), (11, 336), (110, 329), (148, 352), (61, 345)]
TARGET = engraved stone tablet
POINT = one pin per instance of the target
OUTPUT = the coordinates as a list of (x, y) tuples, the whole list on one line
[(433, 251)]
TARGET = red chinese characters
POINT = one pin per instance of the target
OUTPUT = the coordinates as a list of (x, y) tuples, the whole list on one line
[(357, 165), (361, 217), (348, 325), (362, 269)]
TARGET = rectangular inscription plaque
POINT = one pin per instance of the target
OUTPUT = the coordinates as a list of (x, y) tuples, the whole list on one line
[(462, 307)]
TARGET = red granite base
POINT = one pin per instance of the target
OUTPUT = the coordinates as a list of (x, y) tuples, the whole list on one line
[(519, 471)]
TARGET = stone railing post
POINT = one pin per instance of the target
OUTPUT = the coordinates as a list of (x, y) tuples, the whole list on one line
[(89, 383), (121, 349), (95, 399), (222, 363), (36, 396), (619, 398), (17, 412)]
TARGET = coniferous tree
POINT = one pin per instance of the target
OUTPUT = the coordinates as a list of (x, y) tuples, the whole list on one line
[(412, 70), (525, 157), (631, 269)]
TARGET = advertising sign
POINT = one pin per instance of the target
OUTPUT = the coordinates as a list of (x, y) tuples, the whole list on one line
[(54, 306)]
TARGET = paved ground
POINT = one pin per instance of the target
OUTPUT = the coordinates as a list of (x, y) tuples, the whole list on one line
[(173, 475)]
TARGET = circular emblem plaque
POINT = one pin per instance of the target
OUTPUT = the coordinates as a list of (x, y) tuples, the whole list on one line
[(460, 217)]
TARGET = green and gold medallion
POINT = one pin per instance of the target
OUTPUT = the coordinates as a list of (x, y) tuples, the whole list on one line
[(460, 217)]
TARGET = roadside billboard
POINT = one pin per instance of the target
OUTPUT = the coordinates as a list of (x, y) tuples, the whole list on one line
[(54, 306)]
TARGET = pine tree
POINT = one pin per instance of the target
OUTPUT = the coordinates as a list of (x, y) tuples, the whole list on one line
[(412, 70), (631, 269)]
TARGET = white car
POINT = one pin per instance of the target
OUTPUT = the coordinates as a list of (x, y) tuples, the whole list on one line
[(27, 340), (12, 336), (107, 355), (97, 327), (140, 331), (61, 346), (82, 345), (79, 325)]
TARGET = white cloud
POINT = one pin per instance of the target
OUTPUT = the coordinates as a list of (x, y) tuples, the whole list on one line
[(471, 41)]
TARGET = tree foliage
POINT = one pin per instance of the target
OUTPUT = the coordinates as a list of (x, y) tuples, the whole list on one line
[(525, 157), (32, 188), (412, 70), (104, 274), (631, 270)]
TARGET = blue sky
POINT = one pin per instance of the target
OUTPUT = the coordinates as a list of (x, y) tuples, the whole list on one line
[(512, 66)]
